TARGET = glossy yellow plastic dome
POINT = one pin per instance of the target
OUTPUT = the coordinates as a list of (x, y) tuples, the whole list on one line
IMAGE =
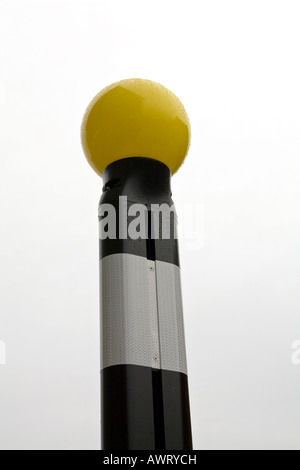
[(135, 118)]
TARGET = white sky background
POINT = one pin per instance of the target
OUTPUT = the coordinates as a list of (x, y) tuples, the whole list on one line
[(235, 66)]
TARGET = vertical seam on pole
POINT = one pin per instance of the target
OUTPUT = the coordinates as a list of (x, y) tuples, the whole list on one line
[(153, 316)]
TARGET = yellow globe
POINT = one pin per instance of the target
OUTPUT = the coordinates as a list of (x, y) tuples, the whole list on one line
[(135, 118)]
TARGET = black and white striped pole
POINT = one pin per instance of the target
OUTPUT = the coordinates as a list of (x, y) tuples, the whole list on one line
[(135, 134)]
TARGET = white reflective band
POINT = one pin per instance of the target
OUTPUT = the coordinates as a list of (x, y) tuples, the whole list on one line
[(141, 313)]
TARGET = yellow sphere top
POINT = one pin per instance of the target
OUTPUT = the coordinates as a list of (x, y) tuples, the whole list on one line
[(135, 118)]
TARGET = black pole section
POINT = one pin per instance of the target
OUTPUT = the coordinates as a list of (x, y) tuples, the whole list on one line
[(144, 385)]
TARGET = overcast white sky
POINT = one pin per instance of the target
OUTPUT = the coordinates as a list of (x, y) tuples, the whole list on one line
[(235, 66)]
